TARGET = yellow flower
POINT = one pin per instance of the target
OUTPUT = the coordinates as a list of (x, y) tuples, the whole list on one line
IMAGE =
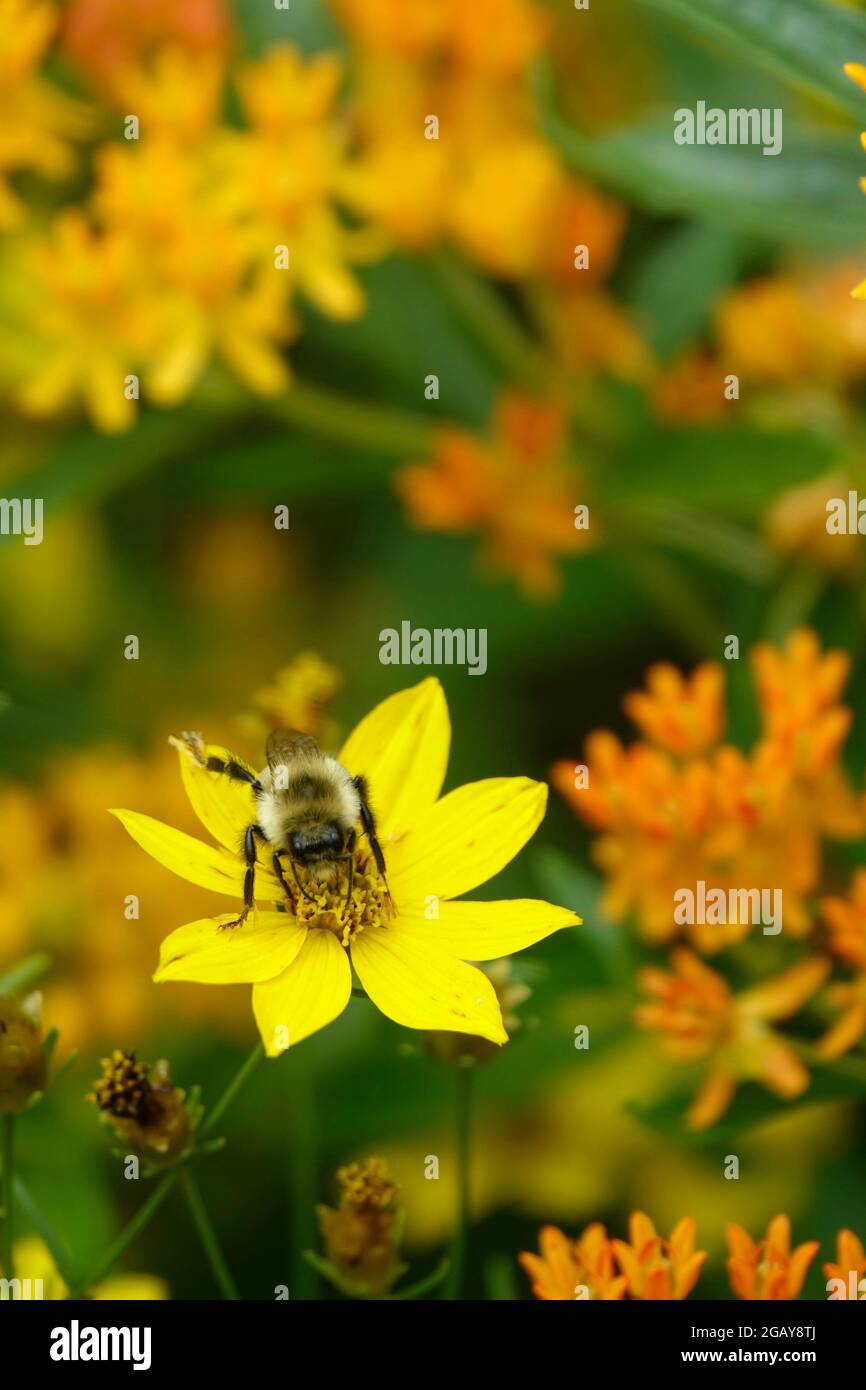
[(362, 1236), (209, 290), (490, 36), (36, 118), (34, 1262), (568, 1270), (768, 1269), (701, 1019), (91, 319), (288, 169), (299, 697), (516, 490), (659, 1269), (850, 1259), (412, 966), (462, 1049)]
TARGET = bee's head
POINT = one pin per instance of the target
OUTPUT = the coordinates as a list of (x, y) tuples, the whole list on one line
[(316, 842)]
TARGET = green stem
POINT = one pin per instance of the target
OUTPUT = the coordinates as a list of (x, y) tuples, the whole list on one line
[(7, 1143), (323, 412), (207, 1236), (486, 314), (463, 1135), (214, 1115), (133, 1228), (40, 1223), (302, 1177), (161, 1191)]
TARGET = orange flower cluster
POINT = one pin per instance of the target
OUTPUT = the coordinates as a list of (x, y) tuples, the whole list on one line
[(656, 1269), (777, 331), (682, 807), (768, 1269), (652, 1268), (845, 920), (702, 1020), (516, 489)]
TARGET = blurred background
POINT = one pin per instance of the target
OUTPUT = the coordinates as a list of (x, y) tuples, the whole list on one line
[(167, 381)]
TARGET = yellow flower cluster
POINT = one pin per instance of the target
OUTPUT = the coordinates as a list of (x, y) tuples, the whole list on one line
[(196, 238)]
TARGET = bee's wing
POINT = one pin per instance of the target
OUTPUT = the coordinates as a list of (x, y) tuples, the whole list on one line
[(284, 745)]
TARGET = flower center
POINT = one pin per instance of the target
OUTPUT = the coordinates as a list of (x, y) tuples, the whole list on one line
[(327, 908)]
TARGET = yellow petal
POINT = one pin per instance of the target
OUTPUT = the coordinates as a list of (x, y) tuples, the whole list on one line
[(264, 946), (225, 807), (311, 993), (421, 987), (401, 747), (189, 858), (856, 72), (466, 838), (486, 931)]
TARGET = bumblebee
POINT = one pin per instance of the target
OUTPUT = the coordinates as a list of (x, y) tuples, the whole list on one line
[(308, 808)]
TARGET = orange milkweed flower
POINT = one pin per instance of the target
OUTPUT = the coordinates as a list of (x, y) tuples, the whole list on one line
[(845, 920), (768, 1269), (515, 489), (580, 1269), (702, 1020), (849, 1267), (658, 1269), (684, 714), (712, 812)]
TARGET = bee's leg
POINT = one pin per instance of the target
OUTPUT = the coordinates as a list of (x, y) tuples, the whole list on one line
[(233, 770), (299, 883), (278, 870), (349, 856), (368, 821), (249, 877), (194, 744)]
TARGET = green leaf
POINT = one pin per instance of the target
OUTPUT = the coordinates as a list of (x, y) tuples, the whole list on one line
[(25, 974), (569, 884), (805, 42), (808, 195), (678, 282)]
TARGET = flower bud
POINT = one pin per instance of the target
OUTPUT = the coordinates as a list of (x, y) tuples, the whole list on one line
[(145, 1111), (23, 1069), (362, 1236)]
